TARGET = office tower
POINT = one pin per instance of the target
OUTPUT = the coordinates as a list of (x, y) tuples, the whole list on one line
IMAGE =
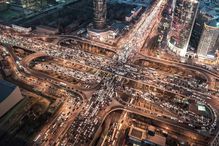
[(100, 10), (209, 42), (207, 11), (183, 17)]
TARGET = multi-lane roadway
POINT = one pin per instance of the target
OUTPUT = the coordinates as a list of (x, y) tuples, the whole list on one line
[(82, 128)]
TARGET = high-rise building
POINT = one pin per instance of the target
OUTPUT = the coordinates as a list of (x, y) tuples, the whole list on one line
[(209, 42), (100, 11), (208, 10), (98, 30), (184, 13)]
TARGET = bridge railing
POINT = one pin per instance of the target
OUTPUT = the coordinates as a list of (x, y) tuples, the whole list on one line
[(215, 141)]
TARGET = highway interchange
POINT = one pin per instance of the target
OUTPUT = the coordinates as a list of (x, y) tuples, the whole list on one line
[(91, 86)]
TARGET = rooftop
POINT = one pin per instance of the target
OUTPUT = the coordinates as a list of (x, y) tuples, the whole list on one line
[(214, 23), (6, 89), (209, 9), (136, 133)]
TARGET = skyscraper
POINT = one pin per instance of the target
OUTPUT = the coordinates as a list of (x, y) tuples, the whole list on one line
[(209, 42), (184, 13), (100, 11), (208, 10)]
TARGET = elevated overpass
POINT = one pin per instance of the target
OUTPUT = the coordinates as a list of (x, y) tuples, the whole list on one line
[(172, 127)]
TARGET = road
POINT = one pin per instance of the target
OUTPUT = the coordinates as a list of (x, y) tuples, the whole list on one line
[(80, 129)]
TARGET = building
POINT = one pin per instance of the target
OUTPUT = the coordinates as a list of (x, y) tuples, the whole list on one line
[(209, 42), (98, 30), (208, 10), (21, 29), (29, 4), (138, 136), (10, 95), (100, 11), (133, 13), (183, 18), (107, 36), (46, 30)]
